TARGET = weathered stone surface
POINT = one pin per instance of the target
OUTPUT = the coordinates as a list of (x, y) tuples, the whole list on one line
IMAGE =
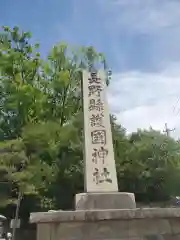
[(148, 226), (99, 215), (161, 237), (73, 230), (117, 229), (153, 237), (43, 231), (92, 201), (139, 227), (100, 169)]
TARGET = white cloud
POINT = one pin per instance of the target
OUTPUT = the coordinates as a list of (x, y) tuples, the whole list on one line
[(141, 16), (138, 35), (138, 98), (151, 26), (141, 100)]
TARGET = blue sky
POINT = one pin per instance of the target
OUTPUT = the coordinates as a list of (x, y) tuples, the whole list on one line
[(140, 39)]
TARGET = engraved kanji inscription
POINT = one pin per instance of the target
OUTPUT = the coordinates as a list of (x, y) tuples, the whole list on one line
[(96, 176), (98, 137), (104, 176), (94, 79), (99, 154), (94, 90), (96, 120), (96, 105)]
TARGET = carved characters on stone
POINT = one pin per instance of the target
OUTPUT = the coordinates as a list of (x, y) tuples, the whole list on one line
[(98, 137), (100, 177), (99, 154), (100, 171), (96, 120), (94, 79), (95, 104), (94, 89)]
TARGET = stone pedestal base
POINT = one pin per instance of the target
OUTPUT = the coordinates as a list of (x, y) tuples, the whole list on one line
[(132, 224), (116, 200)]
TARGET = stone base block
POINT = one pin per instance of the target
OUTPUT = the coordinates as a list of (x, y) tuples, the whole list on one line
[(117, 200), (108, 224)]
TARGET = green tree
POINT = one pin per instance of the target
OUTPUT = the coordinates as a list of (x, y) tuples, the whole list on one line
[(151, 166), (40, 107), (19, 75)]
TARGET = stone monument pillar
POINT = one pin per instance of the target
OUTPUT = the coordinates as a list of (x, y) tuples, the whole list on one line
[(101, 188)]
